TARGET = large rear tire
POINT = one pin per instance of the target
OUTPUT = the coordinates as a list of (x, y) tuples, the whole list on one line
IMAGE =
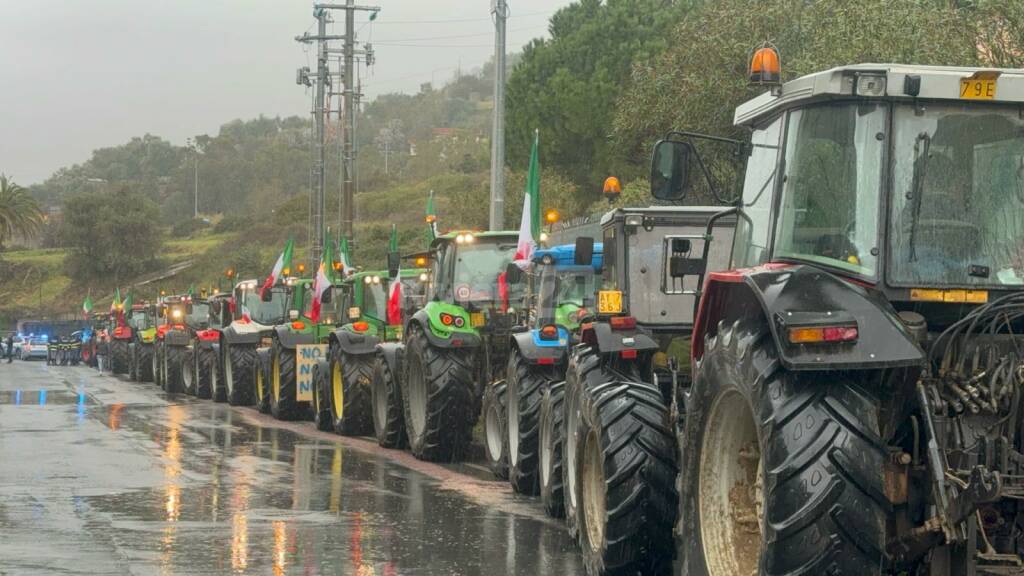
[(626, 471), (438, 398), (350, 405), (133, 362), (526, 385), (119, 356), (238, 373), (788, 464), (188, 372), (584, 371), (551, 441), (495, 414), (173, 357), (386, 397), (144, 359), (283, 404), (156, 365), (206, 368)]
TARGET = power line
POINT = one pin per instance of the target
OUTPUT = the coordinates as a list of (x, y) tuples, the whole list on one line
[(487, 19)]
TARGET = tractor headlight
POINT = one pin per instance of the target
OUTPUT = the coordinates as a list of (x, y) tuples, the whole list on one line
[(871, 85), (176, 314), (376, 279), (459, 239), (423, 276), (367, 280)]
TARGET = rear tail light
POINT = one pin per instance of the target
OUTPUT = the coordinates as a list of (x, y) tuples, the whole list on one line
[(629, 354), (821, 334), (546, 361), (623, 322), (360, 326)]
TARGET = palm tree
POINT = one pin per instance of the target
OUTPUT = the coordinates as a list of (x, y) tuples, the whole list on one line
[(20, 214)]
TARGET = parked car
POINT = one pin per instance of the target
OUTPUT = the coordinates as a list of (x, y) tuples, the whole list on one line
[(32, 347)]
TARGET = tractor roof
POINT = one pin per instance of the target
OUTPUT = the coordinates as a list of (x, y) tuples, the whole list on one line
[(932, 82)]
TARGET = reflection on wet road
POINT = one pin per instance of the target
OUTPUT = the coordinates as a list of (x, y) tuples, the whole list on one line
[(103, 476)]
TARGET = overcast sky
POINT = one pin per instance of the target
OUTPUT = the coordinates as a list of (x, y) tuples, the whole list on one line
[(81, 74)]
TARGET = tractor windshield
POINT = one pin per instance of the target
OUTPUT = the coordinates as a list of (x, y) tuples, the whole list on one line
[(139, 320), (199, 315), (957, 214), (375, 301), (267, 313), (476, 270), (563, 293), (833, 173)]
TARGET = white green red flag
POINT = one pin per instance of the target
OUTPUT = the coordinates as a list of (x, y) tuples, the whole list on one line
[(529, 224), (116, 302), (284, 262), (87, 306), (324, 280), (395, 288), (345, 258)]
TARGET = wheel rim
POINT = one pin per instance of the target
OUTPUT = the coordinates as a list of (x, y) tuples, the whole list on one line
[(337, 391), (728, 488), (417, 396), (275, 377), (229, 373), (512, 408), (593, 491), (569, 452), (213, 376), (260, 393), (493, 427), (545, 447)]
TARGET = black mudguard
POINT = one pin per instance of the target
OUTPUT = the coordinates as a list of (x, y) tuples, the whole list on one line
[(808, 293), (177, 338), (462, 340), (532, 353), (354, 344), (600, 334), (290, 340)]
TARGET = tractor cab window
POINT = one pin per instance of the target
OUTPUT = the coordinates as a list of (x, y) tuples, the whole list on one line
[(753, 228), (138, 320), (199, 315), (476, 269), (268, 313), (830, 198), (375, 301), (609, 274), (564, 292), (957, 214)]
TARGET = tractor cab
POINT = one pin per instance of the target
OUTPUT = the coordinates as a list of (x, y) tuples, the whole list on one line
[(364, 300), (466, 274), (249, 305), (562, 289)]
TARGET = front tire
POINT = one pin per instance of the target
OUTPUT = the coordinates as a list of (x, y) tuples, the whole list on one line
[(119, 357), (386, 398), (283, 404), (261, 380), (322, 407), (206, 368), (174, 357), (438, 398), (790, 464), (144, 353), (188, 372), (238, 373), (350, 405)]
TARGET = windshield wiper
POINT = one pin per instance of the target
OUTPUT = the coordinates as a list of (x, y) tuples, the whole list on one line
[(922, 144)]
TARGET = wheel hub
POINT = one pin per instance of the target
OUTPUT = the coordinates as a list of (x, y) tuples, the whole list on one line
[(337, 391), (730, 488), (493, 427)]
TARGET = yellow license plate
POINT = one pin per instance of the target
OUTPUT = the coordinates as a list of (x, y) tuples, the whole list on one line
[(476, 319), (609, 302), (978, 88)]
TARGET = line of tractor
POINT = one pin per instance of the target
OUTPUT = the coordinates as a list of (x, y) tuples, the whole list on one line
[(819, 373)]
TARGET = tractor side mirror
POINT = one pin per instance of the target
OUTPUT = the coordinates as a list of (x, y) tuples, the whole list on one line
[(513, 274), (669, 167), (394, 261), (584, 252)]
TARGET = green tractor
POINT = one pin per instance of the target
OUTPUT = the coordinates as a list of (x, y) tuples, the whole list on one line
[(452, 347), (343, 395), (143, 323)]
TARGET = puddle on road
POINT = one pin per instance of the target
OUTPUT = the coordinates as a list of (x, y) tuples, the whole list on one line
[(44, 397), (236, 497)]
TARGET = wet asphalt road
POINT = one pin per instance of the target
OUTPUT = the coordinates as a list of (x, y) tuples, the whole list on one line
[(103, 476)]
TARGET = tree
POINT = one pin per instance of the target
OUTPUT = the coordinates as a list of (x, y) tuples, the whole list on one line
[(20, 215), (110, 235), (567, 86)]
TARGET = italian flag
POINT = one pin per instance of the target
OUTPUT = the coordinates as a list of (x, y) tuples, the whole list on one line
[(116, 302), (344, 257), (431, 219), (87, 306), (284, 262), (395, 288), (323, 282), (529, 224)]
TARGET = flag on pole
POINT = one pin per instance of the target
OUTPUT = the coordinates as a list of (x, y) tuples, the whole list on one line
[(116, 302), (431, 219), (395, 288), (344, 257), (281, 267), (324, 279), (128, 301), (87, 305), (529, 224)]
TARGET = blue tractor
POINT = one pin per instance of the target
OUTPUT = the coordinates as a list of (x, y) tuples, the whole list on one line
[(561, 285)]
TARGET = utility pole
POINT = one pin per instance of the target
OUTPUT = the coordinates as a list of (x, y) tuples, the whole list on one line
[(323, 77), (500, 12), (192, 147)]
